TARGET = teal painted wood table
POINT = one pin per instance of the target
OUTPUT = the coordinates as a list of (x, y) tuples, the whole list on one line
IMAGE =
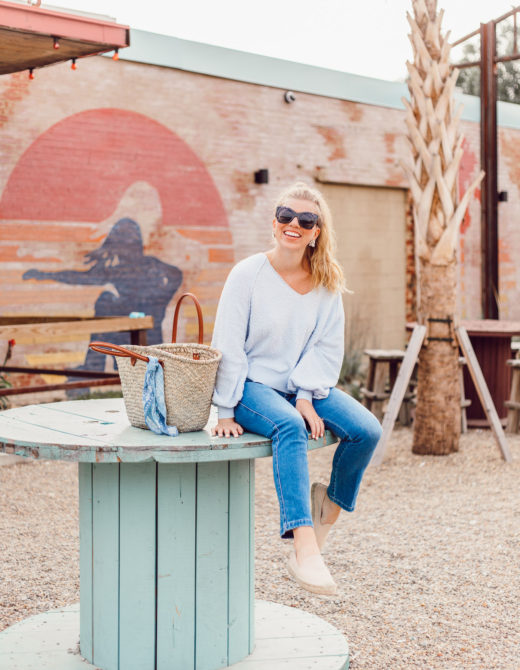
[(166, 534)]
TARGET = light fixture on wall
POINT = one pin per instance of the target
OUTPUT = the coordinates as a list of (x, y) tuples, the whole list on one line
[(289, 97), (31, 73), (73, 66), (55, 43), (262, 176), (116, 55)]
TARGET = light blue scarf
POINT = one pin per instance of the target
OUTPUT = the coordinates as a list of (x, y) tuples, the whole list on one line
[(154, 404)]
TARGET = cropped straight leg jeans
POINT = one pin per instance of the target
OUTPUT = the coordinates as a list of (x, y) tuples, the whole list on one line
[(272, 413)]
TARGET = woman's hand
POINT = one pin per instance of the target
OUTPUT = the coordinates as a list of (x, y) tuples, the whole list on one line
[(226, 428), (316, 425)]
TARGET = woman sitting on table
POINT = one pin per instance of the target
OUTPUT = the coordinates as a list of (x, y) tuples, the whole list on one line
[(280, 327)]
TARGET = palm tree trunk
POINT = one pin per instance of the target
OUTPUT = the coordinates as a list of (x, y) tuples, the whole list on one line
[(437, 417), (432, 168)]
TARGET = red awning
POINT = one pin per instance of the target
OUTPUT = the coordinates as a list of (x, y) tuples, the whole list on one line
[(27, 35)]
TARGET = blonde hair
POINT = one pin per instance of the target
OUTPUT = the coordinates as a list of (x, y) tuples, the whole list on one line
[(325, 269)]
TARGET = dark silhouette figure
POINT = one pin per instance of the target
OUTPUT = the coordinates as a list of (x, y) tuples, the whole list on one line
[(142, 284)]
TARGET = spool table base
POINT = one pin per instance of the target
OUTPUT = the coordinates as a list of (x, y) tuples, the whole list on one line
[(286, 638)]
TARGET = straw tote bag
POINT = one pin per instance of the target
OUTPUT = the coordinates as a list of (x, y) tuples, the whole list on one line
[(189, 376)]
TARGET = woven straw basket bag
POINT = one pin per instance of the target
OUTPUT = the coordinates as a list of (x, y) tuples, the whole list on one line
[(189, 376)]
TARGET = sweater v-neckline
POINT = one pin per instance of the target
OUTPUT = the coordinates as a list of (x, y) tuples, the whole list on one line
[(284, 280)]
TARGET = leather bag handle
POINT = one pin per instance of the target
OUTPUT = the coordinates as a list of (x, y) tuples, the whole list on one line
[(176, 317), (116, 350)]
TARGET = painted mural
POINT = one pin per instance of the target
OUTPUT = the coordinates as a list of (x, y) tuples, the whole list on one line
[(141, 283), (106, 213)]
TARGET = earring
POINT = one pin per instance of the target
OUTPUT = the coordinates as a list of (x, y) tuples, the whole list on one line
[(312, 243)]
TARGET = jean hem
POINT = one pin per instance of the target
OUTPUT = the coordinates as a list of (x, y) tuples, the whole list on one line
[(297, 523), (347, 508)]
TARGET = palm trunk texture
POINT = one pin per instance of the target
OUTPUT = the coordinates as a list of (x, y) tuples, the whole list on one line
[(437, 416), (436, 150)]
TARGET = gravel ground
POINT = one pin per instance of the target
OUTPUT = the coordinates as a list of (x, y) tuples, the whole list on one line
[(427, 565)]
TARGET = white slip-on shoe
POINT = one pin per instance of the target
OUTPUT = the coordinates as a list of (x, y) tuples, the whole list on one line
[(312, 574), (318, 493)]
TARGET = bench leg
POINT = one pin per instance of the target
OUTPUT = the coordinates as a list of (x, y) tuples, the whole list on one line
[(380, 377), (513, 414), (138, 337), (463, 416)]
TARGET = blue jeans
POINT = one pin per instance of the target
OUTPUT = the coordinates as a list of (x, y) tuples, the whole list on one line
[(268, 412)]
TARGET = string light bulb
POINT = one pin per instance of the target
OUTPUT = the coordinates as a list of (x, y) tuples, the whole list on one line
[(31, 74), (56, 43), (73, 66), (116, 55)]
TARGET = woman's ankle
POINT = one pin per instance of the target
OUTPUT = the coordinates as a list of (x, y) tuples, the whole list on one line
[(330, 511), (305, 542)]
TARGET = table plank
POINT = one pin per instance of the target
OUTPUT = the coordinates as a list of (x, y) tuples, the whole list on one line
[(239, 592), (137, 566), (85, 558), (176, 524), (211, 562), (105, 526), (32, 333), (252, 557), (495, 327), (99, 431)]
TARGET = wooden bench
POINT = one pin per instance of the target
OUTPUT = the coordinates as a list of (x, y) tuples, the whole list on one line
[(383, 367), (382, 373), (40, 330)]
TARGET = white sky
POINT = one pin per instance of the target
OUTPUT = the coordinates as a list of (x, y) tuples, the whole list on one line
[(367, 37)]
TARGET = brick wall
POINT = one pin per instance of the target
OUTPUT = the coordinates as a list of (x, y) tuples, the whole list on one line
[(175, 153)]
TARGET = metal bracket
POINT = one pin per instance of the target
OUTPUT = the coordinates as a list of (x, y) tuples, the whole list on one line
[(451, 339)]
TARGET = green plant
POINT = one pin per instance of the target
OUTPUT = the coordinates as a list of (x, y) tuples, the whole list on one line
[(357, 338)]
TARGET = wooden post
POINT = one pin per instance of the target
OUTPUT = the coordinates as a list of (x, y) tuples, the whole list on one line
[(513, 404), (483, 392), (399, 390)]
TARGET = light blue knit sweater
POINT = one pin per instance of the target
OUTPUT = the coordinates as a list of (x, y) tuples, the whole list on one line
[(270, 333)]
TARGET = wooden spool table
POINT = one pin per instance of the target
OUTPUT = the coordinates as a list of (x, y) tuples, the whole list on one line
[(166, 550)]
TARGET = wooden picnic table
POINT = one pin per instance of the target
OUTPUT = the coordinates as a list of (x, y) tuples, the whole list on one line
[(491, 340), (166, 548), (39, 330)]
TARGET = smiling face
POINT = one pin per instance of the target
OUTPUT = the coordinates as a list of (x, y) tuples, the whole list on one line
[(291, 235)]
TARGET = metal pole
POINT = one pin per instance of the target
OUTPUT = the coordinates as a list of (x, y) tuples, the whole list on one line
[(488, 158)]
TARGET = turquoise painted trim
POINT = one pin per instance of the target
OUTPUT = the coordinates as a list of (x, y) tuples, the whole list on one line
[(85, 558), (97, 431), (105, 573), (208, 59), (287, 638), (176, 526), (137, 547), (239, 564), (508, 114), (251, 555), (211, 587), (155, 49), (258, 447)]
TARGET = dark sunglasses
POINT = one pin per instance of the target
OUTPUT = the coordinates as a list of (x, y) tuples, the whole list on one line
[(306, 220)]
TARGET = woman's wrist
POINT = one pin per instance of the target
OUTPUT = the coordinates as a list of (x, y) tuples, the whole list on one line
[(226, 413), (302, 394)]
